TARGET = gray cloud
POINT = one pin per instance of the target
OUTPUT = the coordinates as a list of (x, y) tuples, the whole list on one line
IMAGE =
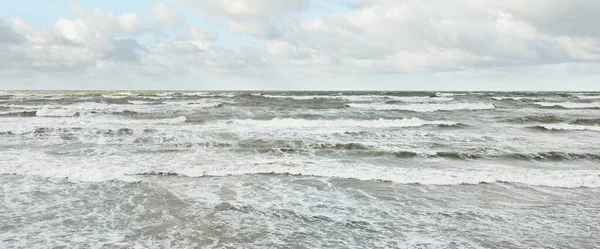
[(8, 35)]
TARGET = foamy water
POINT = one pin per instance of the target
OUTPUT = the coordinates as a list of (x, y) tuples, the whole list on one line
[(299, 170)]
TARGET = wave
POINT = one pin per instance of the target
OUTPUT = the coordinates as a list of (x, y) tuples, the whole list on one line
[(588, 97), (586, 121), (558, 179), (86, 109), (365, 150), (539, 156), (365, 98), (302, 97), (569, 105), (56, 112), (375, 123), (565, 127), (18, 114), (501, 98), (195, 104), (177, 120), (549, 119), (106, 96), (127, 113), (140, 102), (484, 173), (426, 107), (537, 119)]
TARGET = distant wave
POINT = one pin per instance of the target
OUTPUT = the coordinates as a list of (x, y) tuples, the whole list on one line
[(570, 105), (18, 114), (55, 112), (566, 127), (381, 123), (537, 119), (500, 98), (364, 98), (140, 102), (588, 96), (427, 107), (550, 119), (426, 176)]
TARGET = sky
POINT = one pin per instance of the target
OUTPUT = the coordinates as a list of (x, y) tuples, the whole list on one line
[(300, 45)]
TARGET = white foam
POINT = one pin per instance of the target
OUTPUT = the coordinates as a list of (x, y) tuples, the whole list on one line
[(376, 123), (570, 105), (301, 97), (177, 120), (165, 94), (513, 98), (205, 103), (46, 111), (364, 98), (103, 168), (570, 127), (139, 102), (87, 108), (421, 99), (588, 97), (449, 94), (428, 176), (431, 107), (208, 94), (114, 96)]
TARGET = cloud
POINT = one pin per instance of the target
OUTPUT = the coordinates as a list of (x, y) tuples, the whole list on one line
[(407, 36), (253, 18), (166, 16), (75, 46), (112, 24), (315, 41), (245, 9), (8, 35)]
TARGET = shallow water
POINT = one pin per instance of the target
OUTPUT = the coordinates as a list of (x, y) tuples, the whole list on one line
[(299, 170)]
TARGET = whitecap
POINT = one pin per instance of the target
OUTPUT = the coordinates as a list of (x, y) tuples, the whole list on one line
[(375, 123), (429, 107), (570, 105)]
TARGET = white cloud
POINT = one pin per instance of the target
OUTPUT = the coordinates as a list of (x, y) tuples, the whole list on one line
[(243, 8), (248, 17), (302, 40), (112, 24), (167, 16)]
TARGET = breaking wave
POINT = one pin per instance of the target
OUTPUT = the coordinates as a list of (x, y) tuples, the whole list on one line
[(426, 107), (566, 127), (426, 176), (55, 112), (375, 123), (570, 105)]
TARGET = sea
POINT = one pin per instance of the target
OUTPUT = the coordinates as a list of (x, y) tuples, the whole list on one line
[(183, 169)]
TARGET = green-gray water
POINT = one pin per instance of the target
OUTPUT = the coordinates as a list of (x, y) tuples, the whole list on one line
[(299, 170)]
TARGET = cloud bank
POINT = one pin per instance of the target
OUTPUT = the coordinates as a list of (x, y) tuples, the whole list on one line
[(302, 44)]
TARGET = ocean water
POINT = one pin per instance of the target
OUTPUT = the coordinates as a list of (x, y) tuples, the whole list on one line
[(299, 170)]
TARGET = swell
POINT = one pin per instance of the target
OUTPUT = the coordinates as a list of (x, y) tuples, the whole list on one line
[(563, 127), (552, 119), (424, 176), (361, 150), (255, 100), (19, 114), (567, 105), (425, 107)]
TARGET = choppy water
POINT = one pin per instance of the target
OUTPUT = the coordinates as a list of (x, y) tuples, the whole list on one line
[(299, 170)]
